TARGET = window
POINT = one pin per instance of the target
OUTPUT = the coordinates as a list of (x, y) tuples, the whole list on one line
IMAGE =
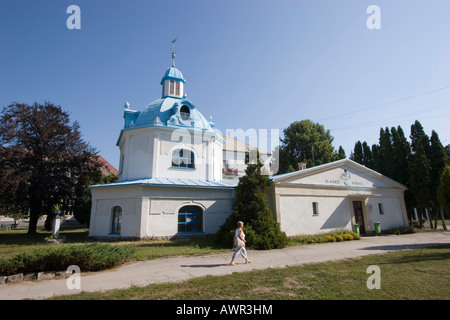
[(185, 113), (380, 208), (190, 219), (178, 89), (182, 158), (315, 206), (116, 220), (172, 86)]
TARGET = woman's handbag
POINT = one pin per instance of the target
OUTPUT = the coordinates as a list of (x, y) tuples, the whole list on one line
[(240, 243)]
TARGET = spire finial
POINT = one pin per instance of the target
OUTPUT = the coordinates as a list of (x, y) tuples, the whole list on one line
[(173, 51)]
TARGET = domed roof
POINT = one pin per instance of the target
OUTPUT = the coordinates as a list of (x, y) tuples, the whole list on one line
[(172, 112), (173, 74)]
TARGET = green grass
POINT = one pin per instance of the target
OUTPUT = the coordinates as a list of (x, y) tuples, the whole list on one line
[(18, 241), (420, 274)]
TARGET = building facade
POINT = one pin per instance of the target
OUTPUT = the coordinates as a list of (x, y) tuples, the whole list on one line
[(174, 182)]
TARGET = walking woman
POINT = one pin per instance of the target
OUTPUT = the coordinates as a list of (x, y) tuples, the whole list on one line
[(239, 244)]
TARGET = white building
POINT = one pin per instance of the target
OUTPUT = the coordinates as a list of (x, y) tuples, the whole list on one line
[(171, 181), (339, 194)]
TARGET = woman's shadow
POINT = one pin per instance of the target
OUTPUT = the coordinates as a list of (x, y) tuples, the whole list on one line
[(204, 265)]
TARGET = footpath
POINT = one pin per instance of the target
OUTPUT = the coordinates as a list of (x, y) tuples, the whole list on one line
[(184, 268)]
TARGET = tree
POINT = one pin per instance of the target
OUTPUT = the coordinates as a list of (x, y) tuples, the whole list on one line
[(419, 176), (443, 194), (250, 206), (438, 161), (43, 160), (306, 141), (447, 150), (358, 153)]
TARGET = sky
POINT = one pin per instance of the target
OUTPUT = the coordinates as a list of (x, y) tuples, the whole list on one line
[(250, 64)]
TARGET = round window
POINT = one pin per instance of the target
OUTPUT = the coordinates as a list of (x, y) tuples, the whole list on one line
[(185, 113)]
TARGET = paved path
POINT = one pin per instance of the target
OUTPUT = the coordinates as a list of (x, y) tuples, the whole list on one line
[(184, 268)]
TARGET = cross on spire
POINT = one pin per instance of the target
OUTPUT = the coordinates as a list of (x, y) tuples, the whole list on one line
[(173, 51)]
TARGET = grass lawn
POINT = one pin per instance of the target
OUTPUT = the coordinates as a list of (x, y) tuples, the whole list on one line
[(17, 241), (420, 274)]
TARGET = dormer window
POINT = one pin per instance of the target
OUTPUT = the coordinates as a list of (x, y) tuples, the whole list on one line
[(185, 113), (182, 158)]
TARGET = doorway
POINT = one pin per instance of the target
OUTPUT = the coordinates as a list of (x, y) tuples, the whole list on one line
[(359, 216)]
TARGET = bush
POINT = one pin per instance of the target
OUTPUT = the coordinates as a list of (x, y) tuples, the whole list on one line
[(250, 205), (401, 230), (347, 236), (89, 257)]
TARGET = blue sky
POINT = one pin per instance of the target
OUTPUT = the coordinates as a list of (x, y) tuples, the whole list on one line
[(250, 64)]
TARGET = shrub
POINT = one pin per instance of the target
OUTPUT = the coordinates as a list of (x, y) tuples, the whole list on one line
[(355, 236), (250, 206), (89, 257), (347, 236), (339, 238), (401, 230)]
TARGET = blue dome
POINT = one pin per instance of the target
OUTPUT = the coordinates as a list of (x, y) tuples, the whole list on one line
[(172, 112), (173, 74)]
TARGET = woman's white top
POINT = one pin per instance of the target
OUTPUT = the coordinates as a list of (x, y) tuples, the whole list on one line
[(237, 233)]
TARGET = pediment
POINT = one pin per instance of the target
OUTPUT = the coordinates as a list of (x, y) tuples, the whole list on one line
[(342, 173)]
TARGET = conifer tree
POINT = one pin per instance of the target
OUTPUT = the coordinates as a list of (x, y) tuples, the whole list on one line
[(443, 194), (250, 206), (419, 177)]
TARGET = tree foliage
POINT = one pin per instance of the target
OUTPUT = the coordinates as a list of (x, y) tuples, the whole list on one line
[(417, 164), (250, 206), (444, 190), (306, 141), (43, 161)]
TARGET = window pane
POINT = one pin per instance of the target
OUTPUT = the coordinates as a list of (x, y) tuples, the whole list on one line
[(172, 84)]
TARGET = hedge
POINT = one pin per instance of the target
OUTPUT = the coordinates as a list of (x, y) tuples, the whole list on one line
[(89, 257)]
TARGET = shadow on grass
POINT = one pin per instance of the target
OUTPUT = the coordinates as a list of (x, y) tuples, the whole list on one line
[(415, 256), (21, 237), (408, 246), (200, 243)]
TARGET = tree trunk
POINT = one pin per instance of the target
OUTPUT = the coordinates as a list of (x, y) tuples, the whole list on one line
[(443, 220), (34, 217), (419, 211), (436, 217), (430, 217)]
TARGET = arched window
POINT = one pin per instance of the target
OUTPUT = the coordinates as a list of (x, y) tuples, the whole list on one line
[(182, 158), (185, 113), (116, 220), (190, 219)]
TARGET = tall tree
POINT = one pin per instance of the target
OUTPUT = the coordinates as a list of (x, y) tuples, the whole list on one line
[(386, 163), (306, 141), (45, 157), (419, 176), (358, 153), (367, 156), (401, 152), (438, 161), (444, 194), (250, 206)]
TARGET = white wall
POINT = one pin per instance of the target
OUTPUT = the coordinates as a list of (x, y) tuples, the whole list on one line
[(153, 211), (297, 214), (294, 209), (147, 152)]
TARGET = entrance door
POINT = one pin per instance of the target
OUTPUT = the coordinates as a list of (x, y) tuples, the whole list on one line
[(359, 218)]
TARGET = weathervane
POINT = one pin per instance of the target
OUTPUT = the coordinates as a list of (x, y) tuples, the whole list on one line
[(173, 51)]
